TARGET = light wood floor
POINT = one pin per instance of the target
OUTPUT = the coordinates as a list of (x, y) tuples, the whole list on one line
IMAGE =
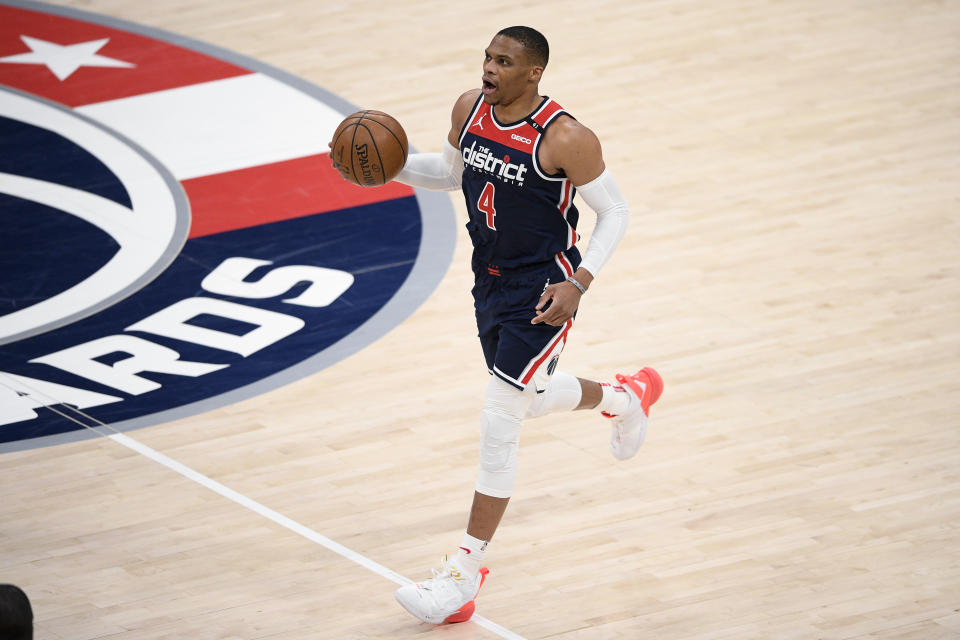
[(793, 271)]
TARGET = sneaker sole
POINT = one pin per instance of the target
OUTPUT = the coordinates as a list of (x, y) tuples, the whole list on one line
[(462, 614), (465, 612)]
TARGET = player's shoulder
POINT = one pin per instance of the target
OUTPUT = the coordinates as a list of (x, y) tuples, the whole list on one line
[(469, 97), (463, 106), (573, 148), (566, 130)]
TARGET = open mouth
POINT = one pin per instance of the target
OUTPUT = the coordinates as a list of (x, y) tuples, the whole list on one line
[(488, 87)]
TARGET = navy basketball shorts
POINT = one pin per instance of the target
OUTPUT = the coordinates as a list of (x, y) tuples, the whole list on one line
[(505, 301)]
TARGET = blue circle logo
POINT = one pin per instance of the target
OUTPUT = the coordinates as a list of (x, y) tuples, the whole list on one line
[(175, 239)]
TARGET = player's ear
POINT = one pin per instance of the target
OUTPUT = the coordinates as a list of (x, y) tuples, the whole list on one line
[(535, 74)]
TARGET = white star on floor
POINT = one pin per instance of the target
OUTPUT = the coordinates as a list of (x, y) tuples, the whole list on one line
[(62, 59)]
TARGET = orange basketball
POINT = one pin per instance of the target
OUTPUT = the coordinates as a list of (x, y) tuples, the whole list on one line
[(369, 148)]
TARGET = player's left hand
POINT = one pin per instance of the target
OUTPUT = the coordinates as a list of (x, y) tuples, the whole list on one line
[(564, 299)]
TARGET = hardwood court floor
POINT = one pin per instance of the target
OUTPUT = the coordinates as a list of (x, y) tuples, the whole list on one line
[(792, 270)]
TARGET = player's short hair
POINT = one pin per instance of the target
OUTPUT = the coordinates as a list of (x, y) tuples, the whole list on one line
[(533, 43)]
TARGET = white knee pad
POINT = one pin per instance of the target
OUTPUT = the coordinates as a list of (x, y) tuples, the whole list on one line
[(503, 411), (562, 394)]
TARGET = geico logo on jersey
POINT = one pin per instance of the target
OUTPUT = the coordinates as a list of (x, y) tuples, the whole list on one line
[(514, 136), (484, 160)]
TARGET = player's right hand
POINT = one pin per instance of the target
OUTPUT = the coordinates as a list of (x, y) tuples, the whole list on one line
[(342, 170)]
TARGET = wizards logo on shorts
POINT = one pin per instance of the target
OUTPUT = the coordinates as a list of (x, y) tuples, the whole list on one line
[(172, 235)]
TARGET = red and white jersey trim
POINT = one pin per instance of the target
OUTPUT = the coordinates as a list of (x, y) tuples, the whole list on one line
[(547, 116), (540, 116), (536, 370), (566, 199), (564, 264), (474, 121)]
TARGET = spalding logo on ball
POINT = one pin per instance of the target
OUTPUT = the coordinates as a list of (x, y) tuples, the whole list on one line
[(369, 148)]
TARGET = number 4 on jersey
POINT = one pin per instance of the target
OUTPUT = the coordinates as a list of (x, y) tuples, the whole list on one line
[(485, 204)]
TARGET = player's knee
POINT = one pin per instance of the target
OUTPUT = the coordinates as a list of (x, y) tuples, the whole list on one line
[(563, 393), (502, 416), (538, 407), (499, 447), (499, 441)]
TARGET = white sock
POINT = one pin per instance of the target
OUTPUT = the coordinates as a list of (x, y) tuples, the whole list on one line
[(470, 556), (562, 394), (614, 400)]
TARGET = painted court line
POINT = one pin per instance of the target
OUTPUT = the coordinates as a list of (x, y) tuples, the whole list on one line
[(72, 413), (287, 523)]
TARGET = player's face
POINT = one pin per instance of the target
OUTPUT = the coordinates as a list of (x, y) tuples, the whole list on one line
[(507, 72)]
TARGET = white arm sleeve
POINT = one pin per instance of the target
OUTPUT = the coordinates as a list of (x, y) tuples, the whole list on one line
[(435, 171), (613, 216)]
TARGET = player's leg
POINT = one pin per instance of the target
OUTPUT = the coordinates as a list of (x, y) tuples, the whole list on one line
[(522, 358), (565, 392), (626, 403), (449, 596), (503, 410)]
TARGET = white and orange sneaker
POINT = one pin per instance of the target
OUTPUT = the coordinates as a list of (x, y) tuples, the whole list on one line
[(450, 596), (630, 428)]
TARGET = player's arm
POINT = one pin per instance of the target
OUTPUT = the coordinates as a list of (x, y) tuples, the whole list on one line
[(576, 150), (441, 171)]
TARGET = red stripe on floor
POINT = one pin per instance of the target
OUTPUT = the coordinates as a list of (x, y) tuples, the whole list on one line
[(274, 192)]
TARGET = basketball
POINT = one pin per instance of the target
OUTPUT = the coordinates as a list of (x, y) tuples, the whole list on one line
[(369, 148)]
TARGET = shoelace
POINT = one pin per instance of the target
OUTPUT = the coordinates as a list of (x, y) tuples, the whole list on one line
[(443, 585), (442, 572)]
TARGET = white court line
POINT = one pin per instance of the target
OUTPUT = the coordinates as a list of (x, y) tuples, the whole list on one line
[(287, 523), (229, 493)]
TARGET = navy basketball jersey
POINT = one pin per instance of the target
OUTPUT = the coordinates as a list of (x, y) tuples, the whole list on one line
[(519, 214)]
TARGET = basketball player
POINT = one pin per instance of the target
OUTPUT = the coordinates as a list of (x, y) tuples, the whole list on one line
[(520, 159)]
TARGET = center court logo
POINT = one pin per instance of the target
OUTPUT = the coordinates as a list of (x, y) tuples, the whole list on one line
[(148, 226), (170, 250)]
